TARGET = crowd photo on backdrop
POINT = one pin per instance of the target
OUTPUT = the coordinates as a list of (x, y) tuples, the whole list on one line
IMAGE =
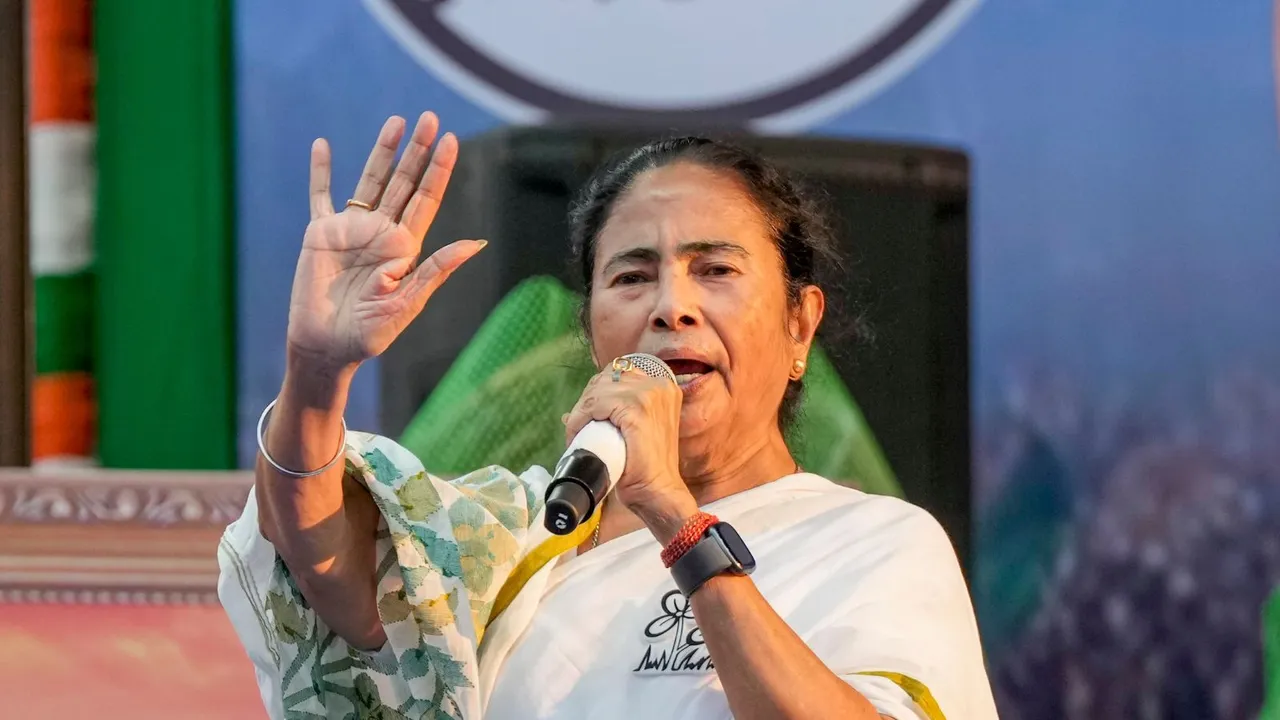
[(716, 579)]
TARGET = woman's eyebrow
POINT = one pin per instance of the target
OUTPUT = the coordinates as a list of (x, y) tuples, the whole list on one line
[(684, 250)]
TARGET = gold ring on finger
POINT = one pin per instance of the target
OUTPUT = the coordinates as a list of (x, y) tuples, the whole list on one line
[(360, 204), (620, 366)]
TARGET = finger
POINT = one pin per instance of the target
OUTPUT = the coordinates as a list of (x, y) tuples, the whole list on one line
[(431, 274), (409, 170), (376, 169), (426, 201), (579, 416), (614, 408), (601, 400), (321, 172)]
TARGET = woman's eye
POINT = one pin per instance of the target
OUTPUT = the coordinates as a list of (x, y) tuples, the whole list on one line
[(628, 279)]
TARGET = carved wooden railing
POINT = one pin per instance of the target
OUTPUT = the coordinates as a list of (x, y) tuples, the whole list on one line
[(114, 535)]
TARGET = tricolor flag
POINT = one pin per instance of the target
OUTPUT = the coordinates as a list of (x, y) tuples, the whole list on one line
[(62, 180)]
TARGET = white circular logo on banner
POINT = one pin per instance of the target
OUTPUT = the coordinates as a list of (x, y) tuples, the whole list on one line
[(723, 61)]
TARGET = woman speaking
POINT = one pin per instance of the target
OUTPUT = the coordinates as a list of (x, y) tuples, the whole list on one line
[(717, 580)]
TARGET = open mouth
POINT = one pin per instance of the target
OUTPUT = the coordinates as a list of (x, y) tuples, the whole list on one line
[(688, 370)]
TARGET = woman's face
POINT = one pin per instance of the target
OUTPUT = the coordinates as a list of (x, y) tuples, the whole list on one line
[(687, 270)]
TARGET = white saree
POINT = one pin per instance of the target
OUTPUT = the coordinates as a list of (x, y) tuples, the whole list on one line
[(489, 616)]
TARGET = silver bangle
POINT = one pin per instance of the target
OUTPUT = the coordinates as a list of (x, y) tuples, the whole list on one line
[(262, 448)]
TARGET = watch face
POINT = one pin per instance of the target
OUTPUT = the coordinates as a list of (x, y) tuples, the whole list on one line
[(732, 541)]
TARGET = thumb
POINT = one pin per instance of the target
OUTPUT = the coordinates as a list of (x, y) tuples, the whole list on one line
[(431, 274)]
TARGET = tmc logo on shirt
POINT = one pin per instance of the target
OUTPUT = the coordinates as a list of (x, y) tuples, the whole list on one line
[(674, 641)]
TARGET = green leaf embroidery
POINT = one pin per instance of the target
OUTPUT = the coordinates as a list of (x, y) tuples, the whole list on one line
[(440, 552), (468, 513), (423, 659), (415, 663), (393, 607), (533, 502), (480, 610), (367, 695), (384, 470), (443, 704), (486, 520), (450, 671), (477, 573), (369, 703), (385, 664), (284, 576), (513, 518), (414, 577), (498, 486), (317, 677), (419, 497), (289, 623), (436, 614), (482, 546), (497, 493), (390, 510)]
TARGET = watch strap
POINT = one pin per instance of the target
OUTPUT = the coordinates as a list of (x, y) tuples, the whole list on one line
[(705, 560)]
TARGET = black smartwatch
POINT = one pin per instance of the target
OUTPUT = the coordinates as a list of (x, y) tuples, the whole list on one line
[(721, 550)]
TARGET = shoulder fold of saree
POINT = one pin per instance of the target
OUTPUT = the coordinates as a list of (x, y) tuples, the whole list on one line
[(445, 549)]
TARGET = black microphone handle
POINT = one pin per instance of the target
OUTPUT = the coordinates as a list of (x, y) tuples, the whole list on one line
[(581, 481)]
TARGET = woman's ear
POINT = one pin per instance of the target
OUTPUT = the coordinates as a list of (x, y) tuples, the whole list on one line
[(806, 316)]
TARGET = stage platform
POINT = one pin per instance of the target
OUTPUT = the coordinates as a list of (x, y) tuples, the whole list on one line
[(108, 603)]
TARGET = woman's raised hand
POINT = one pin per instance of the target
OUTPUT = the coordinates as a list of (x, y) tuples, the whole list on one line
[(357, 285)]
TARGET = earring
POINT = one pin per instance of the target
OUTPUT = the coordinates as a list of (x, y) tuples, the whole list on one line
[(797, 369)]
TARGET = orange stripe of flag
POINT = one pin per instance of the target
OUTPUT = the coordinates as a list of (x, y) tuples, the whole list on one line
[(61, 60), (64, 416)]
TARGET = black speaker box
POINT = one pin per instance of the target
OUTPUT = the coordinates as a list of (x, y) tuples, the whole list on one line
[(901, 212)]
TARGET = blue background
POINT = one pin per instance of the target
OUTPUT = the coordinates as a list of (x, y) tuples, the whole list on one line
[(1126, 209)]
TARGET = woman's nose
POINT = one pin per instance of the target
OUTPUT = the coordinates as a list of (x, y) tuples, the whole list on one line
[(676, 306)]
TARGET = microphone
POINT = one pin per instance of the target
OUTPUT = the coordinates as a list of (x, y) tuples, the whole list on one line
[(592, 464)]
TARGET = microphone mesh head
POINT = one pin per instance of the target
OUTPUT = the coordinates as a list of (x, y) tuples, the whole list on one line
[(651, 366)]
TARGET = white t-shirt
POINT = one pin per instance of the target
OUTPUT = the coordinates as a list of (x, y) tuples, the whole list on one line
[(870, 583)]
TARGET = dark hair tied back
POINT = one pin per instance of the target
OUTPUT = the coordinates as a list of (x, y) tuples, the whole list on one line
[(800, 229)]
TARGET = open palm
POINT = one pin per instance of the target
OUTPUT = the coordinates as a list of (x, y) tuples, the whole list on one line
[(357, 284)]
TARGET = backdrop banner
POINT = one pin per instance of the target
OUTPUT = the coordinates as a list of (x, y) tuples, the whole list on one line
[(1126, 238)]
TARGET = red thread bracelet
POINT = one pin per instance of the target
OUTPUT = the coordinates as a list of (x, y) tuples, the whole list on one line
[(689, 535)]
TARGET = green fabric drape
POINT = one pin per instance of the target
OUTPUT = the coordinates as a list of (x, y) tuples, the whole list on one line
[(1271, 654), (165, 304)]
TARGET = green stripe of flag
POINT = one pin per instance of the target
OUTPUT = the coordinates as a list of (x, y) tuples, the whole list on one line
[(64, 322)]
